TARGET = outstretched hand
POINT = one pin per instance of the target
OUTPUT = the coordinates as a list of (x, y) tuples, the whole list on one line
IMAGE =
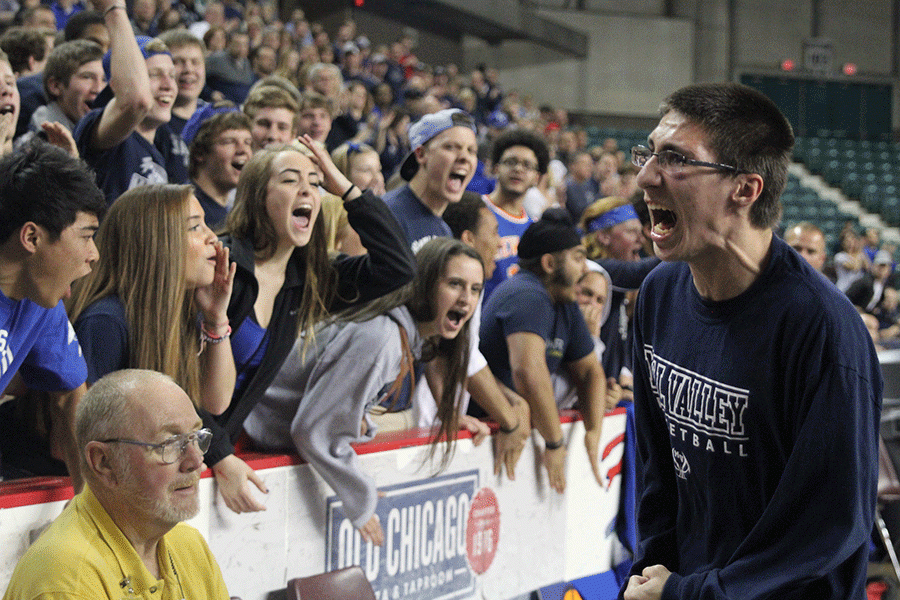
[(555, 462), (476, 427), (232, 477), (508, 446), (335, 182), (372, 531), (592, 445)]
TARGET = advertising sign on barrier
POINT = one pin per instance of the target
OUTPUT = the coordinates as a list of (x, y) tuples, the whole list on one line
[(426, 552)]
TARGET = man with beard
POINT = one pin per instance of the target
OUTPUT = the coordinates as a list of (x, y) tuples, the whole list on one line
[(532, 326), (142, 455)]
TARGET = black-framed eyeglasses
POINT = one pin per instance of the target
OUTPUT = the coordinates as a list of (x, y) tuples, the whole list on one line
[(173, 448), (669, 160), (512, 163)]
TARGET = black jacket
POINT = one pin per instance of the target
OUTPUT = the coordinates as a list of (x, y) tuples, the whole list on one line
[(388, 265)]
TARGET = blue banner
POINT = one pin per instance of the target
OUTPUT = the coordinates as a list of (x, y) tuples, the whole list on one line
[(424, 552)]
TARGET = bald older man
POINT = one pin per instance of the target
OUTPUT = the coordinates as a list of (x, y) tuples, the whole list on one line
[(142, 454), (809, 241)]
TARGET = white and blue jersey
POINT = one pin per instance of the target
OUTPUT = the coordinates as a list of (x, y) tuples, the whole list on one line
[(41, 345)]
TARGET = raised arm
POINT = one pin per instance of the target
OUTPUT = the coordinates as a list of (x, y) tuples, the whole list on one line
[(128, 79), (389, 263), (216, 358), (628, 274)]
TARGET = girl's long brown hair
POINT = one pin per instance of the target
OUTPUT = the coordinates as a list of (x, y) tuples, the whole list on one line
[(142, 243), (249, 220), (418, 296)]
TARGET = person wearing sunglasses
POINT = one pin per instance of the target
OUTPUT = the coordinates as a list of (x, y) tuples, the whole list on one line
[(142, 450), (757, 388)]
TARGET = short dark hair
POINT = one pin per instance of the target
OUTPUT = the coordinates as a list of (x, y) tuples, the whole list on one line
[(45, 185), (206, 136), (66, 59), (746, 130), (20, 44), (521, 137), (536, 267), (464, 215), (79, 22)]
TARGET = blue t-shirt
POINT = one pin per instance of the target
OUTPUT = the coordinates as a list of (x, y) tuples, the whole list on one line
[(418, 222), (132, 163), (63, 15), (579, 196), (174, 152), (213, 213), (41, 345), (102, 328), (757, 430), (31, 98), (176, 123), (523, 304), (481, 183), (510, 228)]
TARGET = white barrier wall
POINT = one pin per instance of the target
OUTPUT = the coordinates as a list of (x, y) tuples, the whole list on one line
[(464, 533)]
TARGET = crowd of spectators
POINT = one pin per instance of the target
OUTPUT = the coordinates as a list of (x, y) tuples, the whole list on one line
[(186, 112), (862, 267), (282, 137)]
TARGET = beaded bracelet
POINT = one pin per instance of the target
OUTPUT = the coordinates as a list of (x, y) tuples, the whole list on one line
[(211, 338)]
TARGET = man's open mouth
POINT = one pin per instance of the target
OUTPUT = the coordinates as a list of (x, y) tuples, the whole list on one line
[(663, 220)]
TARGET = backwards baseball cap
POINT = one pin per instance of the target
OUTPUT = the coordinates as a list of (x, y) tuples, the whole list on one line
[(428, 127), (551, 233)]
